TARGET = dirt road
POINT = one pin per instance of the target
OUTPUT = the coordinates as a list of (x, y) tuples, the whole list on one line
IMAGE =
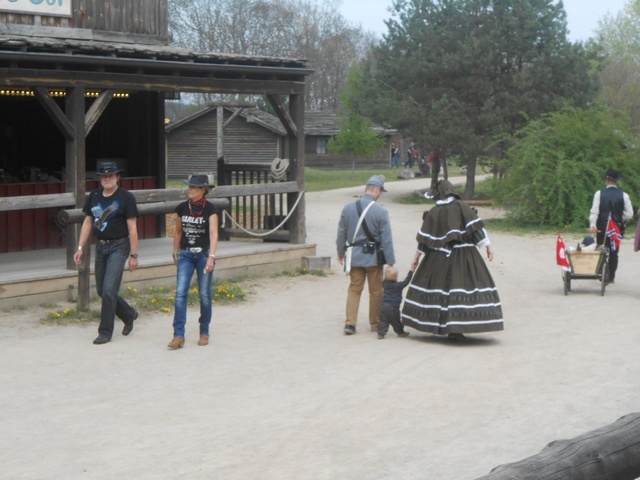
[(281, 393)]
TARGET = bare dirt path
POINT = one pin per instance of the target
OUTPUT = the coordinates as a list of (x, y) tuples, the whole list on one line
[(281, 393)]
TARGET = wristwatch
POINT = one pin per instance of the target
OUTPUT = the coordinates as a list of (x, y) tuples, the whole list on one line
[(134, 255)]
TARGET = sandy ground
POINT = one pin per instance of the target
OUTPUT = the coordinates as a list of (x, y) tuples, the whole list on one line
[(281, 393)]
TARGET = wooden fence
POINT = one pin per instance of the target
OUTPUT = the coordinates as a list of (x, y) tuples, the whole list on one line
[(259, 209)]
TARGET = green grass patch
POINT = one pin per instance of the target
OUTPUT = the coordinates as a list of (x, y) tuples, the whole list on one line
[(321, 180), (70, 316), (152, 299), (302, 271)]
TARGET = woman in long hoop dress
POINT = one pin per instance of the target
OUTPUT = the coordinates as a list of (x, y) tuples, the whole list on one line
[(452, 292)]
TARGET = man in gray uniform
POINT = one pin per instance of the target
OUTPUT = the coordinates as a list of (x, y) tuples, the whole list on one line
[(373, 234)]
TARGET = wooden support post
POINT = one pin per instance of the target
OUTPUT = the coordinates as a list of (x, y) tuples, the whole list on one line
[(75, 179), (297, 227), (220, 132), (608, 453)]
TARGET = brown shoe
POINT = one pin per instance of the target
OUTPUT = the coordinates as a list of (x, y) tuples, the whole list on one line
[(176, 343), (204, 340)]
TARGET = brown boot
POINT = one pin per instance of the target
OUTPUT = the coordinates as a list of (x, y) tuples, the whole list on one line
[(176, 343), (204, 340)]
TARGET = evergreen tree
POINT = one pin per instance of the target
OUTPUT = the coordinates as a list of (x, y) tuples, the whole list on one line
[(454, 74)]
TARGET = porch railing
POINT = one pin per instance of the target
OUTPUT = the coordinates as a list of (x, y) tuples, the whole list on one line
[(257, 203)]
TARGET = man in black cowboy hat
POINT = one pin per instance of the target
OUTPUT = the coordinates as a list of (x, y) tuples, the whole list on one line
[(610, 201), (111, 213)]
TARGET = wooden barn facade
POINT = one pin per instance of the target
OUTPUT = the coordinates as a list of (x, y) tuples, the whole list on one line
[(249, 135), (88, 82)]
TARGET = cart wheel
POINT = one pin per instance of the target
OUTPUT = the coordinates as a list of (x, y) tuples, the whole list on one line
[(566, 277), (604, 275)]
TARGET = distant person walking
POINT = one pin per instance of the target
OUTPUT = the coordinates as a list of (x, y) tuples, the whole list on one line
[(394, 155), (410, 153)]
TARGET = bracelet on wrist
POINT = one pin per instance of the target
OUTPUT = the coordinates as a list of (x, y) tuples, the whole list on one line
[(212, 255), (175, 256)]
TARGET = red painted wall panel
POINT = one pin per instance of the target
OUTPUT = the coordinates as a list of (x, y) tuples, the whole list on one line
[(25, 230)]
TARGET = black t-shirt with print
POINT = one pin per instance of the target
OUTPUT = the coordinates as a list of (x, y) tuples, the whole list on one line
[(195, 229), (110, 213)]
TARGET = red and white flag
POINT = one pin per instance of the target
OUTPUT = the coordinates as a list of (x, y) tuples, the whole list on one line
[(561, 255), (614, 234)]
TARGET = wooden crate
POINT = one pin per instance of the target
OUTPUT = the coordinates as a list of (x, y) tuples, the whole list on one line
[(585, 263)]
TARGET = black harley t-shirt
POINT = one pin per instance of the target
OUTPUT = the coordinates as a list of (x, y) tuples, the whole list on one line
[(195, 229)]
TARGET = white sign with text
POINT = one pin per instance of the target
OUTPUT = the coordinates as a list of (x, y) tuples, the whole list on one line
[(60, 8)]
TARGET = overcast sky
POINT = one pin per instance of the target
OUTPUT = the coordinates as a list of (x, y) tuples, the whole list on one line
[(582, 15)]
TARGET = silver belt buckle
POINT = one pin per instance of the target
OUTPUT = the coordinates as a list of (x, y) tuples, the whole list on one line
[(195, 250)]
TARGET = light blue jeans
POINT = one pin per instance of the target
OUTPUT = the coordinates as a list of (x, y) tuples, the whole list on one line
[(187, 263)]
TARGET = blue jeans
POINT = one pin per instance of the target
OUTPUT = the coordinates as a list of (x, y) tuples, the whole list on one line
[(187, 263), (109, 266)]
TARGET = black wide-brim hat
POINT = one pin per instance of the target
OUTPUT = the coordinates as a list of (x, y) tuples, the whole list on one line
[(612, 174), (201, 181), (109, 168)]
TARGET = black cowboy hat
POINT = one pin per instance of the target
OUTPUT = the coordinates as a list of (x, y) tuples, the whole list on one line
[(198, 180), (108, 168)]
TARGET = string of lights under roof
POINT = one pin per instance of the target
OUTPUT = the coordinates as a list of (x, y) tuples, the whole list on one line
[(8, 92)]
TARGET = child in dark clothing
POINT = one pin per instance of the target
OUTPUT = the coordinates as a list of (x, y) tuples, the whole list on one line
[(391, 300)]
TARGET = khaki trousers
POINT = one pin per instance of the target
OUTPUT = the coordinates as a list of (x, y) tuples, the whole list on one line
[(373, 276)]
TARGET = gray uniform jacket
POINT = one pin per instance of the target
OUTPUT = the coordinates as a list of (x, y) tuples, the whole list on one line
[(377, 220)]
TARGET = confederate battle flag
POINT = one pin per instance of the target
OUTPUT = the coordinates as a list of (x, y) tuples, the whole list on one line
[(561, 255), (614, 234)]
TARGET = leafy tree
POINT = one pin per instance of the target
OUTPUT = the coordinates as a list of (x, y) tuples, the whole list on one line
[(356, 137), (454, 74), (558, 161), (619, 39), (301, 29)]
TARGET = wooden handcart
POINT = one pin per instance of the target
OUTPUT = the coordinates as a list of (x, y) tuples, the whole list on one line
[(592, 265)]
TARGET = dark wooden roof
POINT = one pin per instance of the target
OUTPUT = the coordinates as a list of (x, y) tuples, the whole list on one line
[(143, 67), (327, 122), (316, 122)]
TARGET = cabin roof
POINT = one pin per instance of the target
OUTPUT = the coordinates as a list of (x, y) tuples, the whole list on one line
[(316, 122), (327, 122)]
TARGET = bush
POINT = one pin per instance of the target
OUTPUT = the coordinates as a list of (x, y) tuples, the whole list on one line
[(559, 161)]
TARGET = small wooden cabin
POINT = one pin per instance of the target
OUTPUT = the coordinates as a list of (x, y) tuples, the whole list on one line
[(321, 125), (253, 136)]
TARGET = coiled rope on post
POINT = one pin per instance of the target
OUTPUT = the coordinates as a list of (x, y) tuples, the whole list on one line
[(279, 168), (237, 225)]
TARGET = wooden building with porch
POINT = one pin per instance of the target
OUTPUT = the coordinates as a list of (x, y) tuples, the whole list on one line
[(84, 81)]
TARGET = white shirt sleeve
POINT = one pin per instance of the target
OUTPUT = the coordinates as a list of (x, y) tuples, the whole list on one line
[(627, 214), (595, 209)]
